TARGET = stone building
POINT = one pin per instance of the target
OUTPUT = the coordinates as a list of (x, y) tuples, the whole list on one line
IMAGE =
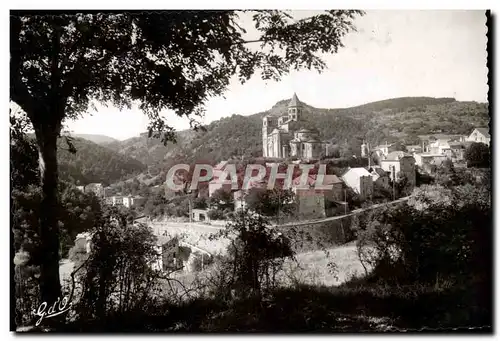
[(399, 164), (379, 176), (168, 254), (199, 215), (285, 135), (312, 202), (360, 181)]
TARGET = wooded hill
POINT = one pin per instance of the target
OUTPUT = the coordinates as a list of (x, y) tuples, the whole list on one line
[(94, 163), (239, 136)]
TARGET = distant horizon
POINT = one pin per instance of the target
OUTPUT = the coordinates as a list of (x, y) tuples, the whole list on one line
[(284, 99)]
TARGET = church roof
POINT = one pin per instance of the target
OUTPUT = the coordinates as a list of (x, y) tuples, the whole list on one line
[(294, 102), (313, 141)]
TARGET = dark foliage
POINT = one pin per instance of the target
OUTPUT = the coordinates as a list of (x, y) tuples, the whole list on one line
[(94, 163), (477, 155)]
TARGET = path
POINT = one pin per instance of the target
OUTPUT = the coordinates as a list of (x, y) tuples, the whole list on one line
[(65, 269)]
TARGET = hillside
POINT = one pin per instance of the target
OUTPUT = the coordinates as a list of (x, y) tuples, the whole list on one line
[(390, 120), (94, 163), (152, 152), (99, 139)]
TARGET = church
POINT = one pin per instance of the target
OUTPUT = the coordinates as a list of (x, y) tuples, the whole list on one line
[(284, 135)]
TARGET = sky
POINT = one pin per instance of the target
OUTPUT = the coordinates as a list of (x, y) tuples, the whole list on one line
[(436, 53)]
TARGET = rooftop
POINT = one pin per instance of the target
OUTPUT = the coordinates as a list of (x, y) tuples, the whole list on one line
[(294, 102), (359, 171), (394, 156), (328, 179), (429, 155), (484, 131)]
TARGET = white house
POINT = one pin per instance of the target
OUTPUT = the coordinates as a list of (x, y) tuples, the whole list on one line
[(360, 180), (481, 135), (132, 201), (426, 160), (116, 200), (384, 149)]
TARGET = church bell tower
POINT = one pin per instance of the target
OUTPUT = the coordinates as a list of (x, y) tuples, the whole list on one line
[(294, 108)]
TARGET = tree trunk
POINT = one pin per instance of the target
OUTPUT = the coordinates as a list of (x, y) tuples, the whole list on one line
[(50, 285)]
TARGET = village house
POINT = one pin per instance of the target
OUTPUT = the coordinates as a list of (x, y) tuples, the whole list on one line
[(167, 249), (414, 148), (312, 202), (400, 164), (239, 196), (199, 215), (115, 200), (360, 181), (438, 147), (426, 161), (127, 200), (481, 135), (133, 201), (384, 149), (455, 151), (379, 176), (434, 144)]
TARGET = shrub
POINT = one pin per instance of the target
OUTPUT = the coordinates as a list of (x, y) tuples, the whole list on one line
[(215, 214), (256, 253), (117, 276), (477, 155), (440, 233)]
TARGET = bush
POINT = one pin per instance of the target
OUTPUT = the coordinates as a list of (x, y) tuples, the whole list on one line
[(440, 233), (117, 276), (477, 155), (215, 214), (255, 255)]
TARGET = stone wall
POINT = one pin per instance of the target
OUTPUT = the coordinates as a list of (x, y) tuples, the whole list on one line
[(321, 235)]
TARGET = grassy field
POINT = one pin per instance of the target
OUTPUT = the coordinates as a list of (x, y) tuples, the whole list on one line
[(330, 267), (309, 268)]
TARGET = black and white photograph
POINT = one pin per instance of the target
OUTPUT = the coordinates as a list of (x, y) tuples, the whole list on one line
[(274, 171)]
